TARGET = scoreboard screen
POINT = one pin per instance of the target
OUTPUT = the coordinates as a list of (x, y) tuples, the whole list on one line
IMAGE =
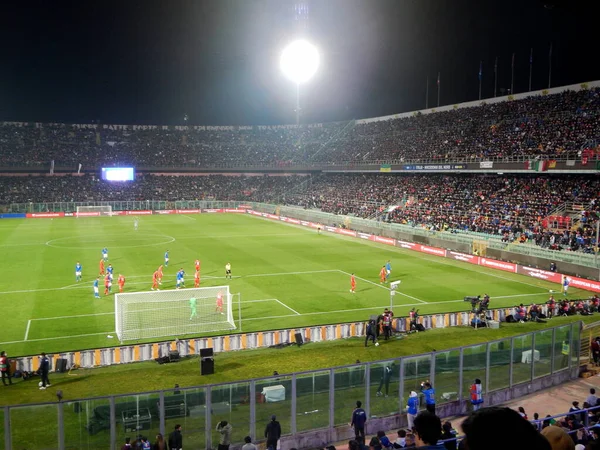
[(118, 173)]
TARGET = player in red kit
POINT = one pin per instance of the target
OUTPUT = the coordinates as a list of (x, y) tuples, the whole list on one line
[(219, 302), (155, 280), (160, 274), (197, 264), (197, 279), (107, 284), (352, 284), (382, 275), (121, 281), (102, 267)]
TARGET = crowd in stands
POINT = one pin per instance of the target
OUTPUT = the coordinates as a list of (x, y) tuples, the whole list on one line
[(550, 125), (514, 207), (48, 189)]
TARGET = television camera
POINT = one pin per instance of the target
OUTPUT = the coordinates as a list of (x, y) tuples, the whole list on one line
[(474, 301)]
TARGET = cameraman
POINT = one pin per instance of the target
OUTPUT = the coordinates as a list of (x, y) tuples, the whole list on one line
[(534, 312), (414, 318), (485, 303)]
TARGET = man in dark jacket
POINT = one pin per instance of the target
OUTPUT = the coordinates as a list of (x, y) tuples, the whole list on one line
[(175, 439), (428, 430), (44, 369), (359, 418), (272, 433)]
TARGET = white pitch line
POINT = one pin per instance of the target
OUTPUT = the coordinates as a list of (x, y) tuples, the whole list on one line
[(286, 306), (265, 317), (27, 330), (59, 337), (384, 287)]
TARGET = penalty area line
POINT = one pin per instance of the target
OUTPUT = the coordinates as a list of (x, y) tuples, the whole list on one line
[(59, 337), (385, 287), (286, 306), (27, 330)]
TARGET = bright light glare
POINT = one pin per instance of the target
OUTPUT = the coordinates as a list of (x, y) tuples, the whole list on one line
[(299, 61)]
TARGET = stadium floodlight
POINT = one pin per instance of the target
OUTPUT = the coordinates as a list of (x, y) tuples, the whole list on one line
[(299, 61), (157, 314)]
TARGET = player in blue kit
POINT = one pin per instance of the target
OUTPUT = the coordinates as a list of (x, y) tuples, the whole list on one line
[(388, 269), (96, 292), (180, 279), (110, 270), (105, 254), (166, 258), (77, 271)]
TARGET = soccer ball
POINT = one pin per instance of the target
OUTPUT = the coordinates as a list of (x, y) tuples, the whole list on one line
[(551, 291), (376, 344), (40, 384)]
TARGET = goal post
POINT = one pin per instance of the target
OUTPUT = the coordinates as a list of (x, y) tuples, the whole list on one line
[(91, 211), (156, 314)]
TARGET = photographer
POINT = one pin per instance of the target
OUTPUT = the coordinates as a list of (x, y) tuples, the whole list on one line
[(520, 313), (414, 318), (534, 312), (551, 306), (485, 303), (429, 393)]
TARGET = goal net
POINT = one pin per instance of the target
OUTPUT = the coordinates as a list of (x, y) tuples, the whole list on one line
[(91, 211), (155, 314)]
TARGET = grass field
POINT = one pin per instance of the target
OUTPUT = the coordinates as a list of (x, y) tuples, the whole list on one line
[(287, 276)]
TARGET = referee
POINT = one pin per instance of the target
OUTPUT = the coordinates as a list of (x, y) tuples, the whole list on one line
[(228, 271)]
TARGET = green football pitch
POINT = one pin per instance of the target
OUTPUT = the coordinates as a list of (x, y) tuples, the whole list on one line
[(287, 276)]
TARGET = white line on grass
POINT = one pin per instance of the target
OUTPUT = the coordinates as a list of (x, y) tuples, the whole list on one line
[(27, 330), (291, 309), (385, 287), (370, 308), (59, 337)]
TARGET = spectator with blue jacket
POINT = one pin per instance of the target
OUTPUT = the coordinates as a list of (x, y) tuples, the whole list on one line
[(429, 393), (412, 408)]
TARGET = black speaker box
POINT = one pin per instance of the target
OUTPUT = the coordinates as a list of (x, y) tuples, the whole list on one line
[(174, 356), (420, 327), (207, 366), (207, 352), (61, 365), (299, 339)]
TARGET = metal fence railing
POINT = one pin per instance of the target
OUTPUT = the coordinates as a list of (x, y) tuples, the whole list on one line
[(302, 402)]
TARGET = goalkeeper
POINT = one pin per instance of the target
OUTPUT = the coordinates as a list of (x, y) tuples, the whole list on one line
[(193, 303)]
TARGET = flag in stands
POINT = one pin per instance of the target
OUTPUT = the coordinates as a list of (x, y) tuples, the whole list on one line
[(385, 168), (540, 166)]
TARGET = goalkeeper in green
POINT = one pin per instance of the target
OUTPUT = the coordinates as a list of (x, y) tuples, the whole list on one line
[(193, 308)]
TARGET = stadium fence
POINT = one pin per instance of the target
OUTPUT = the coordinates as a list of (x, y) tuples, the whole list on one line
[(313, 407)]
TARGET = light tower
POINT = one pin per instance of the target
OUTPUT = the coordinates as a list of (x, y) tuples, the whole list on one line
[(299, 62)]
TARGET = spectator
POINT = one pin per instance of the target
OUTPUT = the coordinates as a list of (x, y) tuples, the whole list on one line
[(272, 433), (429, 393), (592, 399), (359, 418), (384, 440), (476, 394), (522, 413), (248, 445), (558, 438), (160, 443), (412, 408), (428, 430), (175, 439), (401, 441), (225, 429), (127, 444), (522, 436), (448, 435)]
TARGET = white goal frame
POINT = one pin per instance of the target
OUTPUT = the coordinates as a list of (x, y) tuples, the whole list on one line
[(93, 211), (167, 313)]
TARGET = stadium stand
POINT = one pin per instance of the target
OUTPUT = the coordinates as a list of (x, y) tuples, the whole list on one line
[(560, 125)]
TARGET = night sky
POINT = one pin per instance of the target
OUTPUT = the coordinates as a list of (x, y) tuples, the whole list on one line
[(152, 62)]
